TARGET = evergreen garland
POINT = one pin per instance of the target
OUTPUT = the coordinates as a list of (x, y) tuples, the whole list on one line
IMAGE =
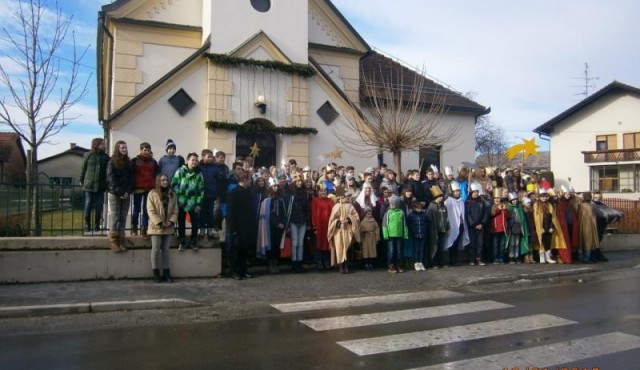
[(294, 68), (215, 125)]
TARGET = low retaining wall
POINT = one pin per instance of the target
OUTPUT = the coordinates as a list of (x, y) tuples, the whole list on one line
[(27, 260), (620, 242)]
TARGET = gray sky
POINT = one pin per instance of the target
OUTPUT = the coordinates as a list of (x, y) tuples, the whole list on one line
[(518, 57)]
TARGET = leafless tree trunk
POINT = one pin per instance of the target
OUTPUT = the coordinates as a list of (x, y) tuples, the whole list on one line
[(490, 143), (398, 112), (41, 84)]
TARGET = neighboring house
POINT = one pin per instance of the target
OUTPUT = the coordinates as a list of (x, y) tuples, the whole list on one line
[(226, 75), (13, 160), (595, 145), (63, 168)]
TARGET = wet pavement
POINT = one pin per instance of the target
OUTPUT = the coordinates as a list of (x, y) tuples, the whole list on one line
[(593, 324)]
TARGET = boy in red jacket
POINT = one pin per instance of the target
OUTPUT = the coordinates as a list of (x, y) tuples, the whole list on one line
[(498, 226)]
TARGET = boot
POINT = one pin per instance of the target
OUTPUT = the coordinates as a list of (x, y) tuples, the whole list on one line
[(122, 243), (114, 243), (134, 230), (166, 273), (156, 276), (143, 232), (87, 224), (345, 269), (97, 225), (548, 257), (587, 256), (543, 256), (599, 256)]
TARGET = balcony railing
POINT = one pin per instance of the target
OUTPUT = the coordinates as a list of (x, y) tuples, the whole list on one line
[(618, 155)]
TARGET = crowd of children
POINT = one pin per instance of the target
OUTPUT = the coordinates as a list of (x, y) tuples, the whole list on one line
[(335, 217)]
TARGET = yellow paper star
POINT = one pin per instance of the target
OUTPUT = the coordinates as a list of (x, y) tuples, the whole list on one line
[(529, 147), (337, 153), (513, 151), (255, 151)]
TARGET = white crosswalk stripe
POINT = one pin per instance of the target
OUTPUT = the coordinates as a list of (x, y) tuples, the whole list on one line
[(549, 355), (353, 321), (363, 301), (426, 338)]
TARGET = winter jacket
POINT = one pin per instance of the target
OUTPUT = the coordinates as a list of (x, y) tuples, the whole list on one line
[(210, 176), (417, 222), (119, 180), (499, 220), (394, 224), (93, 176), (169, 164), (300, 207), (475, 212), (145, 169), (160, 212), (189, 187)]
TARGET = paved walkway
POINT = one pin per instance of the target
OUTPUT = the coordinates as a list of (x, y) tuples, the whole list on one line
[(21, 300)]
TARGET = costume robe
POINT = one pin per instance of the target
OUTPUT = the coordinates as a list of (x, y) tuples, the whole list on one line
[(588, 228), (369, 237), (320, 212), (340, 239), (557, 238), (571, 234), (456, 214)]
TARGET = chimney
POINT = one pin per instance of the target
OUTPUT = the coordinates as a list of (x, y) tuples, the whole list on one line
[(72, 145)]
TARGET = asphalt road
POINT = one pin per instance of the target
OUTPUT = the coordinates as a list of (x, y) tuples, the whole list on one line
[(595, 324)]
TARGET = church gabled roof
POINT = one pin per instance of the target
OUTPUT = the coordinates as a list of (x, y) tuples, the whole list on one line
[(376, 69)]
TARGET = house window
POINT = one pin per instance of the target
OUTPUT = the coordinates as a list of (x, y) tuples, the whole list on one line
[(616, 178), (631, 140), (262, 6), (606, 142), (327, 112)]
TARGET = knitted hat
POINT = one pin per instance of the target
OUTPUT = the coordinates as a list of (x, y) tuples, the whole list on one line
[(169, 144), (395, 200)]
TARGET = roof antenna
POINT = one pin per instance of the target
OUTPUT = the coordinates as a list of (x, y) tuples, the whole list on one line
[(587, 82)]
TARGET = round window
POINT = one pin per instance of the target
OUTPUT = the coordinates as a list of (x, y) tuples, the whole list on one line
[(261, 5)]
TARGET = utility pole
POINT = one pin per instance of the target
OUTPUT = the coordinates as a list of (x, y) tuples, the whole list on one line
[(587, 82)]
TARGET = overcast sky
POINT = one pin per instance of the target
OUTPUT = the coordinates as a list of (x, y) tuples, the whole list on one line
[(524, 59)]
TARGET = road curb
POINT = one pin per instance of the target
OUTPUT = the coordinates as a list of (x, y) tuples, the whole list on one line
[(531, 276), (110, 306)]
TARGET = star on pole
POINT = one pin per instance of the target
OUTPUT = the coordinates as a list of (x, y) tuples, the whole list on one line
[(255, 151), (529, 147)]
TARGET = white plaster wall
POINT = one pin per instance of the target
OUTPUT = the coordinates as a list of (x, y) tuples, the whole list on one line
[(234, 22), (614, 114), (206, 24), (159, 121), (461, 148), (157, 60), (185, 12)]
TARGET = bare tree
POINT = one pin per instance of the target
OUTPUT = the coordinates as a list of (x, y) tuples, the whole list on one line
[(399, 111), (41, 84), (490, 143)]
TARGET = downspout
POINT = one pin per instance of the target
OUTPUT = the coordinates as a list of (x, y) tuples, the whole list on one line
[(99, 58)]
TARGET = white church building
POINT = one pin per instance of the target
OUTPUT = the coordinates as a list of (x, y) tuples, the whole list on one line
[(227, 74)]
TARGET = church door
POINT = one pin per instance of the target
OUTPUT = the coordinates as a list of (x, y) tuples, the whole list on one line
[(258, 144)]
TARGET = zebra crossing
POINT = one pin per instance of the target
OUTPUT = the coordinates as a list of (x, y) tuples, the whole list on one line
[(552, 354)]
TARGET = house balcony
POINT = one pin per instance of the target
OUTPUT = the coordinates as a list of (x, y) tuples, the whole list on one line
[(618, 155)]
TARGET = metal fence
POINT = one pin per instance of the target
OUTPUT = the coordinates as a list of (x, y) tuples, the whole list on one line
[(60, 210)]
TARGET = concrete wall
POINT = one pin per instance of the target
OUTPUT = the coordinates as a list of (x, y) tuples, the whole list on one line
[(28, 260)]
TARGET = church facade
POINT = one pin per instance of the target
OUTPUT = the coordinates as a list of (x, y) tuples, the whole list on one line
[(274, 80)]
